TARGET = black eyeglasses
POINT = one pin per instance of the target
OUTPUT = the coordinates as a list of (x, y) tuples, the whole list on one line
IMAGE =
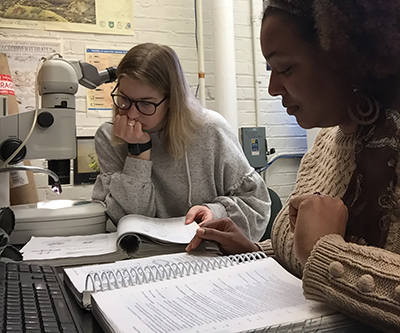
[(144, 107)]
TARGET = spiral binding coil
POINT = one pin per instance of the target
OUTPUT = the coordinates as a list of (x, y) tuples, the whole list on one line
[(125, 277)]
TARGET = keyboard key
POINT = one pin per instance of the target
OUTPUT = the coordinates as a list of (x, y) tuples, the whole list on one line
[(25, 279)]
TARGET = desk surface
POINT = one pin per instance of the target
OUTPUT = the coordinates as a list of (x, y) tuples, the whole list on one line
[(88, 323), (85, 318)]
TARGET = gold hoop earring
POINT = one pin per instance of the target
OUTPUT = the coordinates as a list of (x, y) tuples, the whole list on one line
[(366, 111)]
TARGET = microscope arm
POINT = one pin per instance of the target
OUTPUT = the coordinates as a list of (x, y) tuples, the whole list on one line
[(54, 135)]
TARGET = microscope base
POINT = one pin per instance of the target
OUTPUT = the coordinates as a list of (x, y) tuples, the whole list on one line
[(57, 218)]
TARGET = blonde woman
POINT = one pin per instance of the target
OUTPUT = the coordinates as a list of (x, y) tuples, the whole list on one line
[(166, 156)]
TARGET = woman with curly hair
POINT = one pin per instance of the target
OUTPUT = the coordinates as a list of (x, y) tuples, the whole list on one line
[(335, 63)]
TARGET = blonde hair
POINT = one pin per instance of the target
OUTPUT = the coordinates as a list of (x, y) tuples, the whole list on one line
[(158, 66)]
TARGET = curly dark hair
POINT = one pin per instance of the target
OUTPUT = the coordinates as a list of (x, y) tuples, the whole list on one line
[(361, 38)]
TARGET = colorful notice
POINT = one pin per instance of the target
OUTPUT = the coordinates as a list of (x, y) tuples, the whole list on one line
[(99, 99), (90, 16)]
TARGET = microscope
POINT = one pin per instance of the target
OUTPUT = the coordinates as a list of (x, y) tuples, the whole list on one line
[(50, 133)]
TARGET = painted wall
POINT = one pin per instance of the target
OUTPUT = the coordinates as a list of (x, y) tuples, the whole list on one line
[(172, 22)]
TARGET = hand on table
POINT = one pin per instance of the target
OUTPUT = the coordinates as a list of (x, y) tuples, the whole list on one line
[(312, 217), (226, 234)]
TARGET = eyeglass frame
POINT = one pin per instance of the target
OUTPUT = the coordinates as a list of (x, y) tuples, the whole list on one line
[(131, 101)]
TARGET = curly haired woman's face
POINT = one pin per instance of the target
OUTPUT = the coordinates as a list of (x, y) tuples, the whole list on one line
[(311, 90)]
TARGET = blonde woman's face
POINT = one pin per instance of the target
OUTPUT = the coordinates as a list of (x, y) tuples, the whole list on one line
[(136, 91)]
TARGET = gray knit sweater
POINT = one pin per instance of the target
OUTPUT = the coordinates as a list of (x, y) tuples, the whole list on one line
[(214, 172), (361, 281)]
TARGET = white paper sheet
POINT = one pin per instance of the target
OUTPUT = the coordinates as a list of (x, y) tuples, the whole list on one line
[(41, 248)]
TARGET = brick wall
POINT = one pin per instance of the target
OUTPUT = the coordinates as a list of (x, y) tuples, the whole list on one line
[(172, 22)]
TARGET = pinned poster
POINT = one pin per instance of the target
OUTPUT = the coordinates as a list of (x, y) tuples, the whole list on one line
[(88, 16), (99, 102)]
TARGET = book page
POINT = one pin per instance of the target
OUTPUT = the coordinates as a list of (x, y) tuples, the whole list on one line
[(171, 230), (247, 296), (42, 248)]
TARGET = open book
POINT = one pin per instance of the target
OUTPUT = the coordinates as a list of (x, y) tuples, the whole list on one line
[(136, 236), (185, 293)]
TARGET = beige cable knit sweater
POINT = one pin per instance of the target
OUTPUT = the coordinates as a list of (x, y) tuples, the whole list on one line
[(361, 281)]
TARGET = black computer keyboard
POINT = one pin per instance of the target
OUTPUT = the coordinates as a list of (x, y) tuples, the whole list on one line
[(32, 300)]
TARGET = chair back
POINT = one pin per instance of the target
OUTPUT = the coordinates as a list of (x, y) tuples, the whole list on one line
[(276, 206)]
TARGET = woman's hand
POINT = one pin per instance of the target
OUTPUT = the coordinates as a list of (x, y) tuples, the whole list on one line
[(312, 217), (129, 130), (199, 214), (226, 234)]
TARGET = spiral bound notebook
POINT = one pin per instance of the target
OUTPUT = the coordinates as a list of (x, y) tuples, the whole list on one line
[(185, 293), (85, 280)]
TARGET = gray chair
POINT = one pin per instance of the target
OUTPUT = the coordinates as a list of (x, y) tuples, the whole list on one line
[(276, 206)]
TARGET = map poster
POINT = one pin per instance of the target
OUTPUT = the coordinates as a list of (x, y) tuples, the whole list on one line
[(90, 16), (23, 59), (99, 100)]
